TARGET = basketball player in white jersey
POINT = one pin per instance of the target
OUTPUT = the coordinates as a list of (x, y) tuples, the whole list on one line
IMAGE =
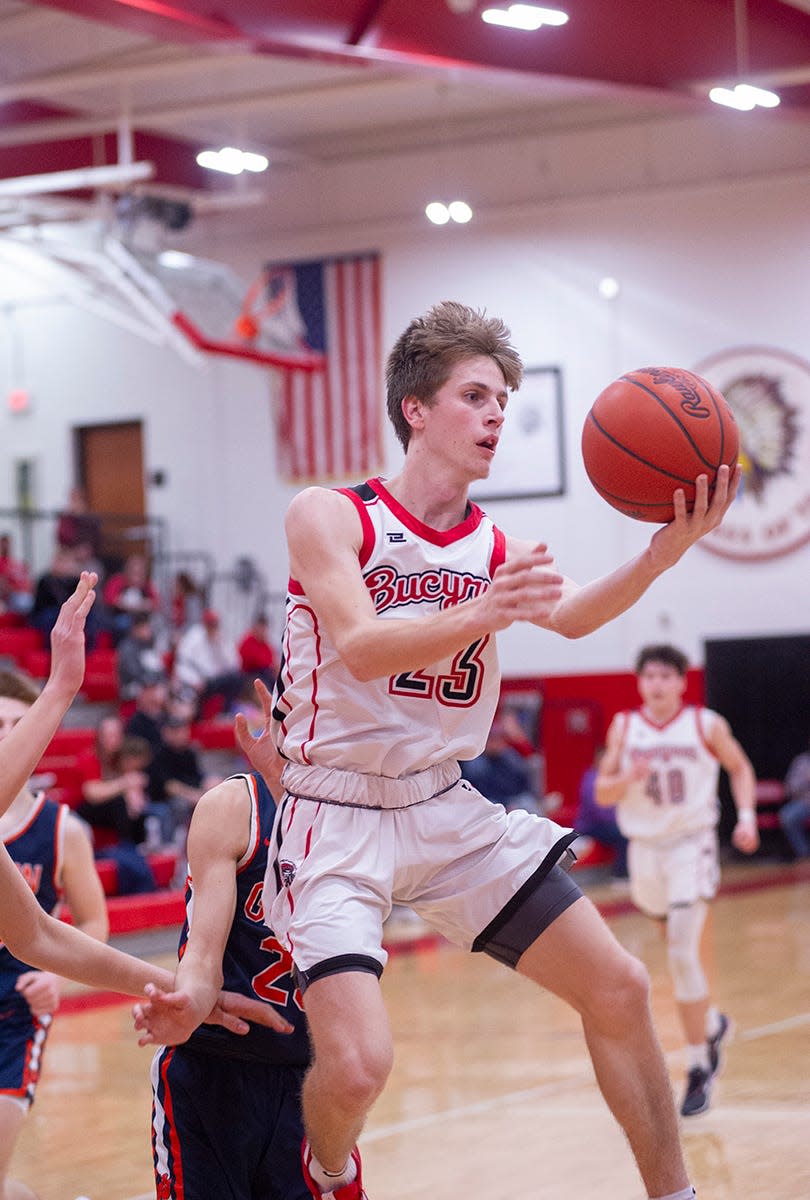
[(390, 676), (661, 768)]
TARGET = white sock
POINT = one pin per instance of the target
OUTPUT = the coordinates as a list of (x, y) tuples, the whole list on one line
[(712, 1021), (329, 1181), (697, 1056), (686, 1194)]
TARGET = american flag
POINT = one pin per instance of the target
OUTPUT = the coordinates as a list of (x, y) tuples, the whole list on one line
[(329, 423)]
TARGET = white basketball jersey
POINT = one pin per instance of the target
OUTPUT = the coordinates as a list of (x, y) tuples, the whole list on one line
[(680, 794), (407, 722)]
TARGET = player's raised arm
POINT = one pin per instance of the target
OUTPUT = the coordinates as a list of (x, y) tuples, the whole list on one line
[(324, 538), (216, 842), (24, 745), (583, 609)]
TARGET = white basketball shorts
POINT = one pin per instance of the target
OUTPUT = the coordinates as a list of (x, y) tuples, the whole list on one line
[(675, 873), (335, 869)]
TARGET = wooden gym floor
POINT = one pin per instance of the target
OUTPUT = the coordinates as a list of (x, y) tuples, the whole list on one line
[(492, 1093)]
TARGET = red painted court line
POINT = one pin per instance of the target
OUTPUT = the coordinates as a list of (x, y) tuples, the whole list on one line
[(779, 877)]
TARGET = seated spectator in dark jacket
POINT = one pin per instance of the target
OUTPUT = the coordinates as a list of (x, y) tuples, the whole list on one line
[(114, 802), (150, 711), (138, 657), (794, 815), (502, 774), (596, 821), (176, 779), (256, 654), (52, 590)]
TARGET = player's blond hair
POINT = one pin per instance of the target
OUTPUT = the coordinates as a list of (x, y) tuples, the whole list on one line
[(426, 353), (16, 686)]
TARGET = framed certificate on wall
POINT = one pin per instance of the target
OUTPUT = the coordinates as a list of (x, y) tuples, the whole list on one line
[(530, 460)]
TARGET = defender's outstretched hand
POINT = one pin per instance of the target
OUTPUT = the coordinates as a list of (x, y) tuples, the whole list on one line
[(169, 1018), (67, 638), (671, 542), (260, 749)]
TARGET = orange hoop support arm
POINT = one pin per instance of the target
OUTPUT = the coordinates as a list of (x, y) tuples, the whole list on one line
[(287, 362)]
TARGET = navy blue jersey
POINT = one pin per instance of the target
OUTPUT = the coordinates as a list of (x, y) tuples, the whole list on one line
[(254, 964), (36, 848)]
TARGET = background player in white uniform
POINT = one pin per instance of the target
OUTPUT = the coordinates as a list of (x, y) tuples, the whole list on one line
[(661, 768), (389, 675)]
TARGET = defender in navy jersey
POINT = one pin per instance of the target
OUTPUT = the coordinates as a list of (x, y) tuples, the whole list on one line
[(54, 857), (226, 1114), (660, 769), (389, 674)]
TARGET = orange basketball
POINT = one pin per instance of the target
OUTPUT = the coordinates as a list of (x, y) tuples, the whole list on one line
[(652, 431)]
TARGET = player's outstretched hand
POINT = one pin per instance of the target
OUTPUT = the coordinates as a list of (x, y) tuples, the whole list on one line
[(260, 749), (67, 637), (669, 543), (524, 588), (169, 1018)]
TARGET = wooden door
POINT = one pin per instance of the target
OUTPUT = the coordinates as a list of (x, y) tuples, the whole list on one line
[(111, 469)]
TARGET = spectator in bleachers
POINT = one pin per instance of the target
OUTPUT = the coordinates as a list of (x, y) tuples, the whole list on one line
[(78, 527), (593, 820), (128, 593), (150, 710), (114, 802), (206, 663), (501, 773), (256, 654), (79, 532), (53, 588), (187, 604), (139, 656), (177, 779), (794, 815), (16, 585)]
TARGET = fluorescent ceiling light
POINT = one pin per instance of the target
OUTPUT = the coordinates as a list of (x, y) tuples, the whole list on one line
[(744, 97), (232, 161), (524, 16)]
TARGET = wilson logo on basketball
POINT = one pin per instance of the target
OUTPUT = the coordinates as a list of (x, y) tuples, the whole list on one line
[(692, 404)]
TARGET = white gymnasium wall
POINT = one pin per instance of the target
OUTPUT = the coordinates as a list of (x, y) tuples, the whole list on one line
[(704, 264)]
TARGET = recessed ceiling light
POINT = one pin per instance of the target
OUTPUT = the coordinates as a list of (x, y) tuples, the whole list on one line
[(457, 210), (460, 211), (232, 161), (524, 16), (437, 212)]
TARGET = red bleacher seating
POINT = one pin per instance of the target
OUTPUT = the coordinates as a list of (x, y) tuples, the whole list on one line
[(101, 676), (163, 864), (37, 663), (214, 735), (11, 620), (17, 643), (72, 741)]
